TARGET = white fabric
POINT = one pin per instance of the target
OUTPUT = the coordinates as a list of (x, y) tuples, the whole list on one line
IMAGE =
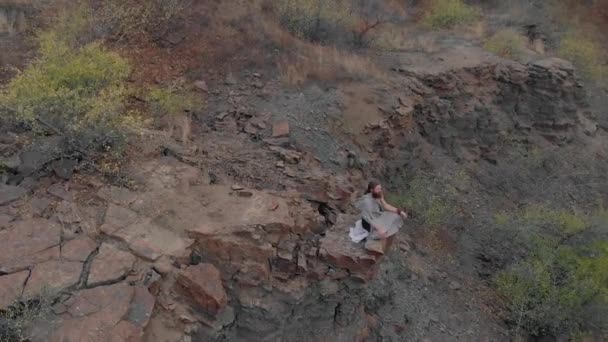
[(357, 233)]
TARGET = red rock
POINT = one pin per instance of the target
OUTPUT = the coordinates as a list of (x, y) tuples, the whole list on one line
[(280, 129), (110, 264), (117, 218), (52, 275), (61, 191), (338, 250), (145, 249), (78, 249), (204, 284), (11, 287), (252, 274), (28, 242), (9, 193), (116, 195), (95, 315), (140, 309), (5, 220)]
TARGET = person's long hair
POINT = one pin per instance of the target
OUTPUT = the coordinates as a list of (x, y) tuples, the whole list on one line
[(371, 186)]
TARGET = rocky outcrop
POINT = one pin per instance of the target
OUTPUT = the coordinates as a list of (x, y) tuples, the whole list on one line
[(470, 112), (221, 261)]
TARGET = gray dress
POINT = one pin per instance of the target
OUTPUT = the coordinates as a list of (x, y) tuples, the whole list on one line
[(372, 212)]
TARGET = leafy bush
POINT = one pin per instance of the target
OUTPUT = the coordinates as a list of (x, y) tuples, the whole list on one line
[(586, 54), (173, 102), (313, 19), (551, 291), (129, 18), (443, 14), (76, 91), (427, 199), (506, 43)]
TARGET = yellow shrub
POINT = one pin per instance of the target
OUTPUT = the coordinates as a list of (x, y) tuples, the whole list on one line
[(506, 43), (172, 102), (76, 91), (586, 54), (443, 14)]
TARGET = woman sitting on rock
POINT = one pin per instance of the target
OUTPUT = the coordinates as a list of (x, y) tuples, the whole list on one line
[(379, 218)]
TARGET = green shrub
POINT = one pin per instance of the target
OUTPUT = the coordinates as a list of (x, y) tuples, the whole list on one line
[(564, 222), (310, 19), (427, 199), (131, 18), (550, 292), (444, 14), (506, 43), (586, 54), (77, 91), (173, 102)]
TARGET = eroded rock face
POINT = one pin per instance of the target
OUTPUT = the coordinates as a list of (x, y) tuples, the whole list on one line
[(284, 281), (469, 111)]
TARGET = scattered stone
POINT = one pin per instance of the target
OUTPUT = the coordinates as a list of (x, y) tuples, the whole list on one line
[(204, 284), (201, 85), (280, 164), (116, 195), (11, 286), (454, 285), (230, 79), (237, 187), (163, 265), (5, 220), (143, 248), (64, 168), (289, 156), (10, 193), (290, 172), (78, 249), (61, 191), (245, 194), (141, 307), (250, 129), (52, 275), (39, 205), (280, 129), (283, 141), (111, 264)]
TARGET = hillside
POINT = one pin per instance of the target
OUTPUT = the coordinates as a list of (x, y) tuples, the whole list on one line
[(186, 170)]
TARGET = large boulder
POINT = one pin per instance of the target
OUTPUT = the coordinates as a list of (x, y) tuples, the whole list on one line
[(203, 284)]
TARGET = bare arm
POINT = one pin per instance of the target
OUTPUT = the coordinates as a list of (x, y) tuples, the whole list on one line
[(392, 209)]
